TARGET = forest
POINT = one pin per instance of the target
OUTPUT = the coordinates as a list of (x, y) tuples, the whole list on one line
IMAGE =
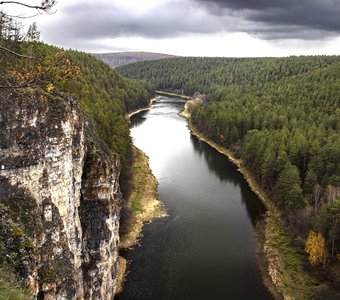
[(281, 117)]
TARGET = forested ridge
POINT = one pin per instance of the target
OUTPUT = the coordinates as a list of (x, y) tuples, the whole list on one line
[(281, 117), (106, 97)]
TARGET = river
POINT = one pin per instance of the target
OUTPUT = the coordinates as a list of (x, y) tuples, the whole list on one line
[(206, 248)]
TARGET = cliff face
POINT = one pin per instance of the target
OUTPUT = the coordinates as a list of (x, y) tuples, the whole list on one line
[(65, 191)]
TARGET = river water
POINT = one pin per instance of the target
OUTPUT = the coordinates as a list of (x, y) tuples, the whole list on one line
[(205, 249)]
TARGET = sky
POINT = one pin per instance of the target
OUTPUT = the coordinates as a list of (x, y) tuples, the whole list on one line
[(230, 28)]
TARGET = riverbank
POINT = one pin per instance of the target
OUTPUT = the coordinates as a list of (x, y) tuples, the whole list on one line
[(280, 263), (136, 111), (173, 95), (142, 206)]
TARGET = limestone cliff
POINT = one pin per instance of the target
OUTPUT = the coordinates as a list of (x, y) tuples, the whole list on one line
[(58, 180)]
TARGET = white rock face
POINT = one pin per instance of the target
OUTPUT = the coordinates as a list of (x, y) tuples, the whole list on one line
[(44, 156)]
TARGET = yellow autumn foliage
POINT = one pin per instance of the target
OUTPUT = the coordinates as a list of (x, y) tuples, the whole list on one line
[(315, 247), (50, 88)]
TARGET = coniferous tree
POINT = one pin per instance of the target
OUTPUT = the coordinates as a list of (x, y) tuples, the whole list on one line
[(33, 34), (287, 189)]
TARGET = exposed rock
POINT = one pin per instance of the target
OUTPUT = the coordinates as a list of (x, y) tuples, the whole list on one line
[(65, 190)]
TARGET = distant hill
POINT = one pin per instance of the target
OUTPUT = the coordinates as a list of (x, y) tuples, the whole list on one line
[(117, 59)]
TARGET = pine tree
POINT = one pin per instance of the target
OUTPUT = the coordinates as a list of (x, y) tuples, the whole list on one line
[(310, 182), (287, 189), (268, 167), (33, 34)]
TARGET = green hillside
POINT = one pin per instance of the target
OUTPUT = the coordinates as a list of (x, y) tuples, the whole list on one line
[(281, 117)]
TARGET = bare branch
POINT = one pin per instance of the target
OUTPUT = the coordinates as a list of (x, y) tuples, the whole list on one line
[(13, 86), (17, 54), (23, 17), (5, 79), (10, 86), (45, 5)]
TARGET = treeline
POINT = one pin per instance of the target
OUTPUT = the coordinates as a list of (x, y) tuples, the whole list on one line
[(281, 117)]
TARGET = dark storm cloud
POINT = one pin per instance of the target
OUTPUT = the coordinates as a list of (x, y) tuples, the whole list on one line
[(284, 18), (83, 20), (246, 4), (107, 20)]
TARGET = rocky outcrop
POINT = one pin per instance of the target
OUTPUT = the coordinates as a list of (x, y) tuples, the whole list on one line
[(59, 181)]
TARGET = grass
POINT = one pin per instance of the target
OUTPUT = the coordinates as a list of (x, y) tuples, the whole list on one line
[(138, 169), (11, 288), (15, 248), (136, 205)]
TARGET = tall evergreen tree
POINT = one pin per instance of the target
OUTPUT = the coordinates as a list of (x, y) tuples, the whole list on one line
[(287, 189)]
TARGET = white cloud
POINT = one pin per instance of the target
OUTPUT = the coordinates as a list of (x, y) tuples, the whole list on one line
[(221, 44), (181, 27)]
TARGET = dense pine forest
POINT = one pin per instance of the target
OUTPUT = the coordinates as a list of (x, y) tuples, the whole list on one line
[(281, 117)]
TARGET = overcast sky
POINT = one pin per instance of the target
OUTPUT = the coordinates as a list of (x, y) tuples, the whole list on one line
[(196, 27)]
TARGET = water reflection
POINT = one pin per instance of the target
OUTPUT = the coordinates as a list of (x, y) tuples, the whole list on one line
[(138, 119), (216, 161), (226, 171)]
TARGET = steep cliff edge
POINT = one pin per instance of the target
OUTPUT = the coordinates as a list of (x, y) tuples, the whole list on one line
[(61, 184)]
